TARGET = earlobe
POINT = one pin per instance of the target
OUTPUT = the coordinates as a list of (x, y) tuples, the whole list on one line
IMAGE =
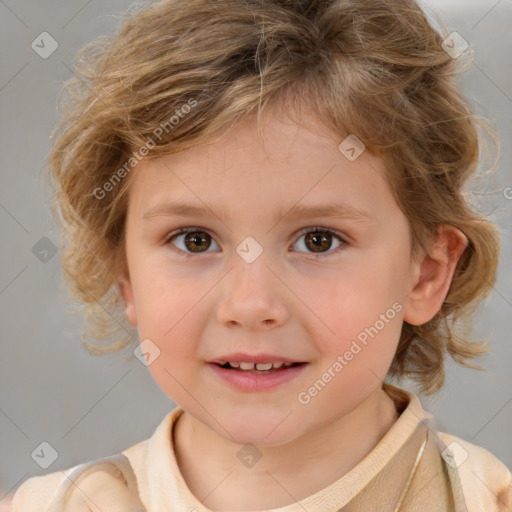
[(125, 288), (433, 275)]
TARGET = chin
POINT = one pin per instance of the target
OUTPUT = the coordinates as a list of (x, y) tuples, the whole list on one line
[(262, 440), (260, 431)]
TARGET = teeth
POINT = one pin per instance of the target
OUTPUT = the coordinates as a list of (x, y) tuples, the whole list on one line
[(263, 366), (258, 366)]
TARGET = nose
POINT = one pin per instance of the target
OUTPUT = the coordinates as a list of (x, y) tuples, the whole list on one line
[(252, 296)]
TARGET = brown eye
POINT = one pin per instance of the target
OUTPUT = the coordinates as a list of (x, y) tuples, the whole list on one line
[(320, 241), (191, 241), (196, 242)]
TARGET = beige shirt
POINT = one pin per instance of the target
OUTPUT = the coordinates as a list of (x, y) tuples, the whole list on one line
[(452, 475)]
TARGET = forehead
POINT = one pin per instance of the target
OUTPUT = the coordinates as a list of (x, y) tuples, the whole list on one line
[(290, 165)]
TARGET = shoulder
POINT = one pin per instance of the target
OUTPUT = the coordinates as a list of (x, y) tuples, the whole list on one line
[(486, 481), (107, 483), (105, 488), (36, 493), (120, 479)]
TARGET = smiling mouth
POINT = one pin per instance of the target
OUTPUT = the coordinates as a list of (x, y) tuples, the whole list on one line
[(261, 368)]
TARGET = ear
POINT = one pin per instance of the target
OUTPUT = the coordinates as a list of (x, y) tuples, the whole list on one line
[(433, 274), (125, 287)]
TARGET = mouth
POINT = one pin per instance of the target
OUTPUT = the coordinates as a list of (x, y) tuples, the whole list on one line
[(257, 372), (258, 368)]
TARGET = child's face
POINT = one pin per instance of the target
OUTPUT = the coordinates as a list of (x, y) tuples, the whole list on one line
[(285, 303)]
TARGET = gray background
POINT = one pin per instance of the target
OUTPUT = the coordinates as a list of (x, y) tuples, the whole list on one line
[(86, 407)]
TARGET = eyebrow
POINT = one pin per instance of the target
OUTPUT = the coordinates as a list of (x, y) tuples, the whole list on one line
[(331, 210)]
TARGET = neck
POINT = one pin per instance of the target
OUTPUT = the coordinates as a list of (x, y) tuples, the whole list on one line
[(279, 478)]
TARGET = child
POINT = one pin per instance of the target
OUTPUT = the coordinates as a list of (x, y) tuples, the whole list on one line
[(275, 191)]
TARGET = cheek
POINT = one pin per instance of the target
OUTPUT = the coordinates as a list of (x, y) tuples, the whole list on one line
[(173, 328), (356, 359), (360, 313), (163, 298), (168, 312)]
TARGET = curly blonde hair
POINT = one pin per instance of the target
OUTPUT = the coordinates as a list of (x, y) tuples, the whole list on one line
[(372, 68)]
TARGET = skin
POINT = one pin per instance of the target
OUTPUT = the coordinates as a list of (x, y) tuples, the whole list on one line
[(286, 302)]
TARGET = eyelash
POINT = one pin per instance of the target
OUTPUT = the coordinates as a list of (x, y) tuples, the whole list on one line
[(306, 231)]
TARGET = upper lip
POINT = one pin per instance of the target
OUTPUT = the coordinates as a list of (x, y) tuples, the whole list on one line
[(253, 358)]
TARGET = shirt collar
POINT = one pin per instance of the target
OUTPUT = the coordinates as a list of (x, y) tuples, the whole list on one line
[(168, 490)]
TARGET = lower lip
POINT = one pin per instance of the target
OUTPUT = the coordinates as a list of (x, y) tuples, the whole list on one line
[(247, 381)]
